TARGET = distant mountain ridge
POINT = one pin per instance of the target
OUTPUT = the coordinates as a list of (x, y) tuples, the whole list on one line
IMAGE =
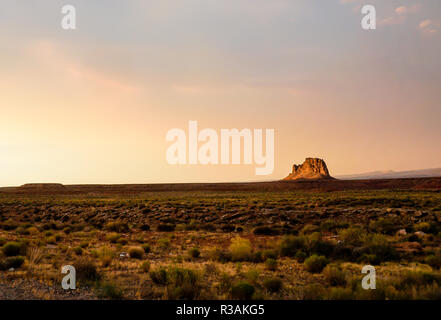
[(390, 174)]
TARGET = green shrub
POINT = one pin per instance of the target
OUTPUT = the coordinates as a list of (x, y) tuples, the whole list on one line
[(22, 231), (180, 276), (159, 276), (257, 257), (369, 258), (9, 225), (144, 227), (330, 225), (194, 253), (11, 249), (78, 251), (419, 278), (434, 261), (146, 248), (313, 291), (166, 227), (86, 271), (217, 254), (242, 291), (320, 247), (353, 236), (309, 229), (84, 244), (136, 253), (14, 262), (267, 231), (252, 276), (344, 252), (51, 240), (271, 264), (300, 256), (109, 290), (379, 246), (164, 243), (117, 226), (122, 241), (181, 283), (385, 225), (68, 229), (334, 275), (193, 225), (113, 237), (106, 255), (225, 283), (145, 267), (273, 284), (289, 245), (269, 254), (423, 226), (49, 233), (340, 294), (315, 263), (240, 249)]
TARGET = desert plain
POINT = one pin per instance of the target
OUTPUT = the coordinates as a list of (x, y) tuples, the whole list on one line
[(267, 240)]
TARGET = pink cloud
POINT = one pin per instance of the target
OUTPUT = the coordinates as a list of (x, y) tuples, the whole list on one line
[(429, 27), (393, 20), (408, 9), (400, 14)]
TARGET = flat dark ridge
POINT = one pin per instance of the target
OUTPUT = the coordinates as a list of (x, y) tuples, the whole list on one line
[(273, 186)]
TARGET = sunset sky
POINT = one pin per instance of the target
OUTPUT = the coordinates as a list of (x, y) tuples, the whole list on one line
[(93, 105)]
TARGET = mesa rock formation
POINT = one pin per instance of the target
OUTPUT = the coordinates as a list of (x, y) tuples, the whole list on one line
[(311, 169)]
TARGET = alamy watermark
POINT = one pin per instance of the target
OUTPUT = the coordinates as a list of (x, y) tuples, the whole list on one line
[(69, 19), (181, 152), (369, 281), (69, 281), (369, 20)]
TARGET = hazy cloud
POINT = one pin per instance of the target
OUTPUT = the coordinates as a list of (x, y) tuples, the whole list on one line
[(400, 14), (408, 9), (429, 27)]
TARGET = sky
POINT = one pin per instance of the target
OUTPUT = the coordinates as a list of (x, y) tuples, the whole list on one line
[(94, 105)]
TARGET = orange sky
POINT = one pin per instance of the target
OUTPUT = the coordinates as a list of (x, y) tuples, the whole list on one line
[(94, 105)]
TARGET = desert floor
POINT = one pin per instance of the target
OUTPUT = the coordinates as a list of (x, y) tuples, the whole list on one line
[(202, 244)]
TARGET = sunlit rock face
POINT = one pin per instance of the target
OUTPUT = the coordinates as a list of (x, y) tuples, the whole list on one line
[(311, 169)]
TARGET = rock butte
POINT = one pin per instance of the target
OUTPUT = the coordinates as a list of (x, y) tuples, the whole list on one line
[(311, 169)]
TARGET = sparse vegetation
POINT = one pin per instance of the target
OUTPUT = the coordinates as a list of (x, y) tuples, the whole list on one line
[(11, 249), (86, 271), (315, 263), (273, 284), (334, 275), (240, 249), (271, 264), (242, 291), (109, 290), (225, 245), (136, 253), (146, 248), (194, 253)]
